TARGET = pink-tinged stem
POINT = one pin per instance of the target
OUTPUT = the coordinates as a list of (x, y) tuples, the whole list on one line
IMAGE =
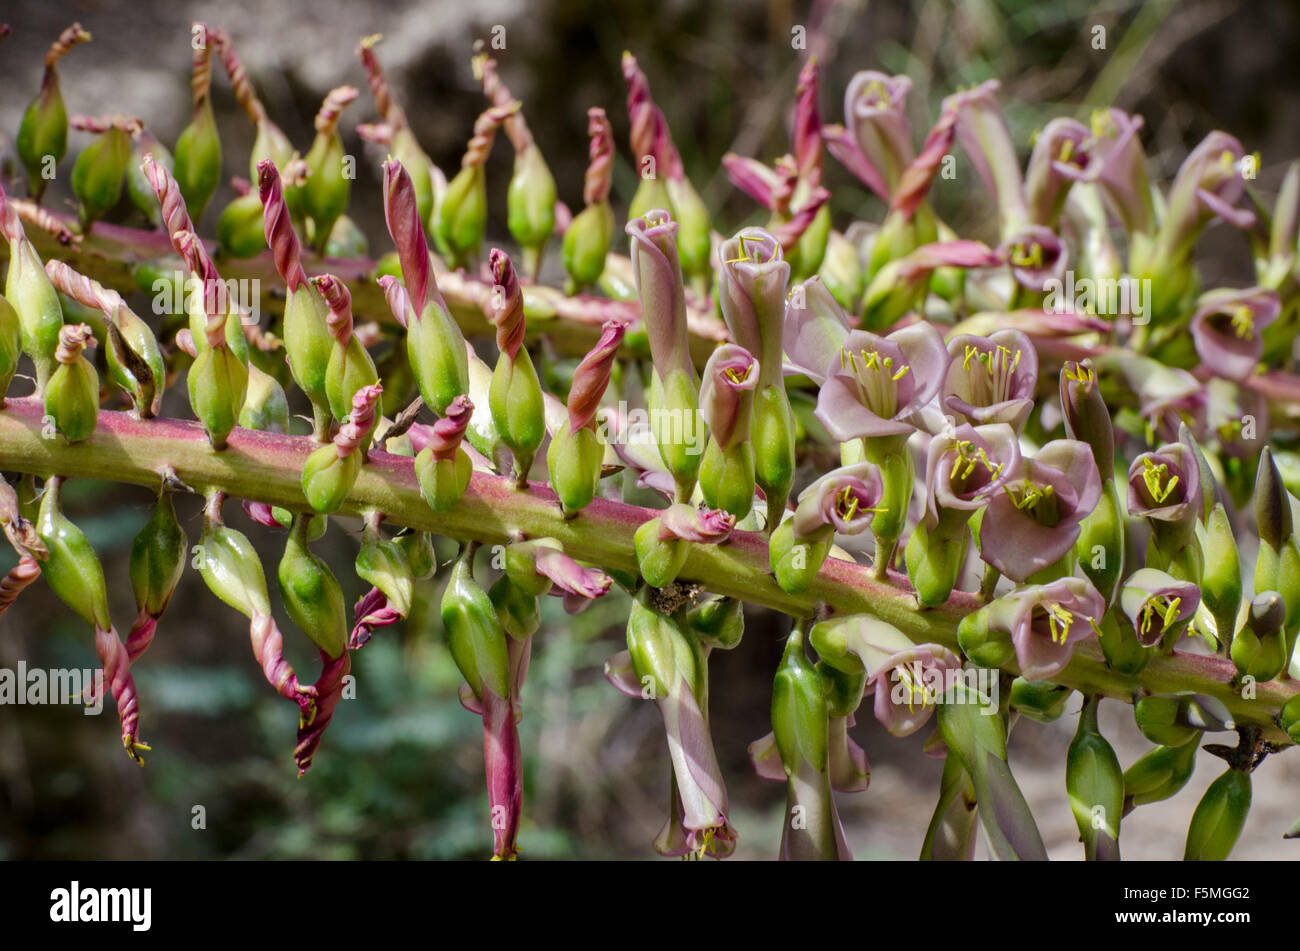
[(117, 671), (329, 691), (503, 760), (267, 467)]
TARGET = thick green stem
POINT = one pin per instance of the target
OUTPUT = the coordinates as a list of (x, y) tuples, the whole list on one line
[(265, 467)]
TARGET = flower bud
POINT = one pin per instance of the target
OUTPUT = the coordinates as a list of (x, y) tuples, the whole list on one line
[(1177, 719), (1087, 418), (1289, 717), (1259, 649), (1095, 783), (137, 183), (1100, 547), (72, 569), (460, 218), (573, 461), (330, 471), (418, 549), (1039, 700), (311, 593), (443, 468), (350, 366), (516, 610), (329, 185), (11, 345), (1219, 818), (841, 272), (218, 382), (474, 635), (586, 246), (663, 544), (101, 167), (43, 133), (719, 623), (1272, 509), (1120, 645), (158, 558), (382, 563), (1221, 580), (1160, 773), (726, 403), (515, 396), (530, 205), (197, 164), (28, 289), (265, 408), (230, 566), (72, 395), (982, 642), (239, 229)]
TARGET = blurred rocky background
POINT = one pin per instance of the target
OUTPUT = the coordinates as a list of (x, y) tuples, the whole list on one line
[(399, 774)]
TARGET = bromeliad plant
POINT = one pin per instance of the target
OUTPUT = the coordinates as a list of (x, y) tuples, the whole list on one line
[(980, 477)]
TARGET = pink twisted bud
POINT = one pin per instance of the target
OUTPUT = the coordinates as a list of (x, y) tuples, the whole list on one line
[(59, 48), (689, 524), (915, 181), (336, 100), (448, 432), (43, 219), (649, 134), (402, 214), (517, 131), (280, 236), (485, 133), (506, 305), (117, 671), (353, 432), (773, 188), (329, 690), (243, 89), (376, 133), (788, 233), (591, 378), (807, 134), (600, 165), (201, 78), (175, 216), (98, 125), (73, 338), (19, 577), (393, 114), (84, 290), (339, 300)]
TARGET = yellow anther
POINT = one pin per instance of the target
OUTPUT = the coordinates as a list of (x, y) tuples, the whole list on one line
[(1157, 479), (1243, 322)]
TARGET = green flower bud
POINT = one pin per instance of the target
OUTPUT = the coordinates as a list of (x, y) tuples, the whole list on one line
[(327, 477), (1095, 783), (1289, 718), (1039, 700), (239, 229), (934, 562), (727, 477), (674, 409), (230, 566), (694, 243), (516, 609), (418, 549), (1260, 648), (72, 570), (1120, 645), (11, 345), (799, 714), (382, 563), (407, 150), (99, 171), (43, 134), (795, 562), (1272, 505), (773, 430), (269, 143), (197, 164), (1288, 586), (530, 205), (265, 408), (809, 251), (40, 315), (443, 481), (586, 246), (515, 399), (1219, 818), (573, 461), (1178, 719), (137, 185), (1160, 773), (346, 240), (328, 187), (308, 344), (436, 350), (1100, 547), (660, 651), (984, 646), (72, 395), (841, 272), (350, 368), (719, 623), (1221, 580), (660, 561), (135, 361), (311, 593), (218, 382), (460, 219), (158, 558), (474, 635)]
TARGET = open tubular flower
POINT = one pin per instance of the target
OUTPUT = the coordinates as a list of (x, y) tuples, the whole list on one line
[(1227, 328), (991, 379)]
